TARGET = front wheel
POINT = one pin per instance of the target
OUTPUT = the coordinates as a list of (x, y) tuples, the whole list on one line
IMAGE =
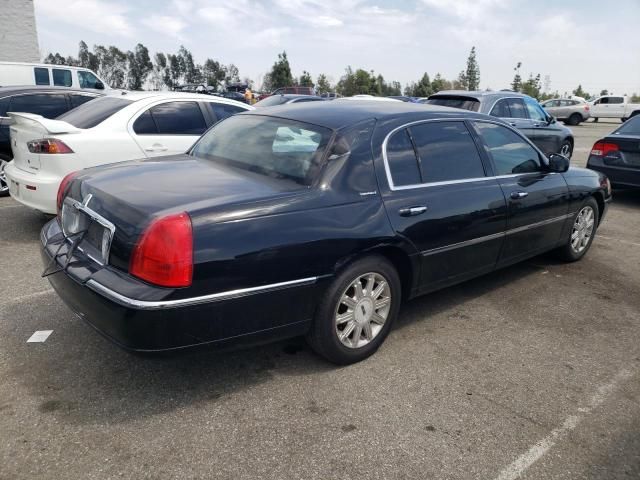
[(356, 312), (623, 119), (585, 224), (4, 183), (566, 148)]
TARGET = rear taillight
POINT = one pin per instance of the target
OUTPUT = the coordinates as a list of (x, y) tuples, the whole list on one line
[(586, 108), (63, 189), (602, 149), (164, 254), (49, 146)]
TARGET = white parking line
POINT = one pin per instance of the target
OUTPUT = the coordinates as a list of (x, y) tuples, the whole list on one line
[(524, 461)]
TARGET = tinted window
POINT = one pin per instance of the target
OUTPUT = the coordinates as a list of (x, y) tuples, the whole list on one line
[(501, 109), (4, 106), (446, 151), (602, 101), (402, 159), (61, 78), (616, 100), (179, 118), (222, 111), (48, 105), (465, 103), (517, 108), (42, 76), (271, 146), (87, 79), (77, 100), (630, 127), (92, 113), (144, 124), (535, 110), (510, 153)]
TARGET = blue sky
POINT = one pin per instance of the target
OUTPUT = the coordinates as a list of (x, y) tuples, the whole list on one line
[(592, 42)]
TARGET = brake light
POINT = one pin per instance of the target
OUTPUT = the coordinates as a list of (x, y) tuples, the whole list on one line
[(586, 108), (164, 254), (602, 149), (49, 146), (63, 188)]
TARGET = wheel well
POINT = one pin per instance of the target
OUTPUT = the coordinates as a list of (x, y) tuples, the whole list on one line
[(600, 201), (637, 112)]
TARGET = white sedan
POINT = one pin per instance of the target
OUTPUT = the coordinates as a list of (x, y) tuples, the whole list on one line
[(106, 130)]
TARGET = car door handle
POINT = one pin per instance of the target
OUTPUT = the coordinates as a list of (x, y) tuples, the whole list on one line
[(412, 211), (517, 195), (156, 148), (513, 124)]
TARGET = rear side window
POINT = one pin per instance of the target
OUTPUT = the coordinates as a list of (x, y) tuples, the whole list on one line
[(616, 100), (42, 76), (93, 113), (402, 159), (179, 118), (61, 78), (517, 108), (49, 105), (446, 152), (77, 100), (144, 124), (465, 103), (222, 110), (501, 109), (511, 154)]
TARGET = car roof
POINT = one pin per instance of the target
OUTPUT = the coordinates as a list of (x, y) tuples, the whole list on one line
[(14, 89), (46, 65), (336, 115), (139, 96), (479, 94)]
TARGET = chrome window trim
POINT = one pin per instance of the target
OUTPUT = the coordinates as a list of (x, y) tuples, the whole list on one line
[(494, 236), (184, 302), (387, 169)]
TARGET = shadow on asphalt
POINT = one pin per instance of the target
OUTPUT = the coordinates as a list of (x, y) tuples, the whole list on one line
[(627, 197)]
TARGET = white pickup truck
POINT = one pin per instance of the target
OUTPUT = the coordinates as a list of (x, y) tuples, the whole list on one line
[(614, 106)]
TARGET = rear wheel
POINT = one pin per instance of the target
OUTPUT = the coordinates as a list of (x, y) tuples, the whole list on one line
[(574, 119), (4, 183), (595, 119), (585, 224), (357, 311)]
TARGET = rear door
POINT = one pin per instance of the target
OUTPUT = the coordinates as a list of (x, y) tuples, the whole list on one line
[(537, 199), (440, 198), (616, 107), (169, 127)]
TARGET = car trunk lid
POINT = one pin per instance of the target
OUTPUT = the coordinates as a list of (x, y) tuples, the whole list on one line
[(628, 154)]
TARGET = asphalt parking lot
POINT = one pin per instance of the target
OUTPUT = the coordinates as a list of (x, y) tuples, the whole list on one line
[(531, 372)]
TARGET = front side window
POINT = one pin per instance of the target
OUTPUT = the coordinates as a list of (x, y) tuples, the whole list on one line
[(402, 159), (511, 154), (535, 110), (42, 76), (179, 118), (87, 79), (49, 105), (602, 101), (61, 78), (276, 147), (93, 113), (446, 152)]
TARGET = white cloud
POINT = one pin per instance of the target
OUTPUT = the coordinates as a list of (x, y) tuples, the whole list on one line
[(165, 25), (95, 15)]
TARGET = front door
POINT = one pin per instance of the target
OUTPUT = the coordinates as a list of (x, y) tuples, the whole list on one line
[(441, 200), (545, 132), (537, 199)]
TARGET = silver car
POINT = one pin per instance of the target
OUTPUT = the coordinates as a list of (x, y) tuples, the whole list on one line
[(569, 110)]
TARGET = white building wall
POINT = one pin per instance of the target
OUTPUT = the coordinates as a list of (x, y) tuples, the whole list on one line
[(18, 34)]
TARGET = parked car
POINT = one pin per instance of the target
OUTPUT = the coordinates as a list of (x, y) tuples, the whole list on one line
[(111, 129), (568, 110), (618, 155), (243, 242), (367, 97), (520, 111), (614, 106), (403, 98), (237, 96), (294, 90), (44, 74), (288, 98), (46, 101)]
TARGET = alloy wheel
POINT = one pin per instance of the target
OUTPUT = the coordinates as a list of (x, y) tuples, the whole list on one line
[(362, 310), (566, 150), (582, 229), (4, 184)]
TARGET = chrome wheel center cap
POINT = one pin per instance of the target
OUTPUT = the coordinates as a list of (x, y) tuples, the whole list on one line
[(363, 311)]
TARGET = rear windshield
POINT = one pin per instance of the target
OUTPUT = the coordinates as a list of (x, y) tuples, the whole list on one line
[(454, 101), (274, 147), (92, 113), (271, 101), (630, 127)]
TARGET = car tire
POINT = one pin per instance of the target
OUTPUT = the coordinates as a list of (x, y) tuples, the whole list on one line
[(4, 183), (595, 119), (566, 149), (574, 119), (583, 230), (623, 119), (351, 322)]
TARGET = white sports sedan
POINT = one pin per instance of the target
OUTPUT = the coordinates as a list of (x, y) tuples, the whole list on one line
[(106, 130)]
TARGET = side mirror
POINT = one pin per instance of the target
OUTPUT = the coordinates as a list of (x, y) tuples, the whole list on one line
[(558, 163), (551, 120), (99, 85)]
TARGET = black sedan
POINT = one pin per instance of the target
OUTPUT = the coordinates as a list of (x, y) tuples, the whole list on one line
[(618, 154), (319, 223)]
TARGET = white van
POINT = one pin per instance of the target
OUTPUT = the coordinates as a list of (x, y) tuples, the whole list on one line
[(14, 73)]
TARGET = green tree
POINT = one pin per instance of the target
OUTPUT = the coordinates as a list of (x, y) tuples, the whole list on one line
[(422, 88), (55, 59), (112, 65), (604, 92), (139, 65), (472, 73), (213, 72), (305, 79), (516, 84), (461, 83), (579, 92), (159, 72), (438, 84), (532, 86), (323, 85), (232, 74), (86, 58), (280, 75)]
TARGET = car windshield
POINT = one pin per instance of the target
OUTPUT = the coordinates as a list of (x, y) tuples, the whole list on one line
[(271, 101), (92, 113), (630, 127), (275, 147), (465, 103)]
